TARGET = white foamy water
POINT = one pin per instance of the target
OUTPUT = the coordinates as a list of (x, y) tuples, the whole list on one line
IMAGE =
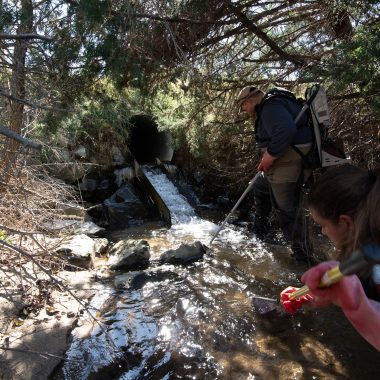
[(185, 222)]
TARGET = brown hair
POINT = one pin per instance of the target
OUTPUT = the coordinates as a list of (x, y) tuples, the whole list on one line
[(349, 190), (367, 223)]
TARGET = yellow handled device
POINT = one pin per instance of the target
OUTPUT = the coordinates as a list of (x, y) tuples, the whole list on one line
[(358, 261), (330, 277)]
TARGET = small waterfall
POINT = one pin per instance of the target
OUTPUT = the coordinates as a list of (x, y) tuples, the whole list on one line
[(185, 222)]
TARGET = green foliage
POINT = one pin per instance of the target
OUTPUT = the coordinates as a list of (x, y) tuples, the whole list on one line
[(96, 117), (6, 16), (358, 61), (171, 109), (183, 62), (355, 67), (4, 237)]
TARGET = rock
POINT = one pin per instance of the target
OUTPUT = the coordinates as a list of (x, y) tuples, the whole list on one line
[(74, 226), (126, 280), (117, 156), (138, 279), (81, 152), (125, 206), (101, 245), (129, 254), (223, 200), (88, 228), (73, 209), (72, 172), (57, 225), (79, 250), (184, 253), (44, 332), (88, 184), (124, 175), (63, 155)]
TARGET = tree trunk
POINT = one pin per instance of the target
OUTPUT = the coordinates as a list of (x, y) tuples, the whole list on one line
[(15, 109)]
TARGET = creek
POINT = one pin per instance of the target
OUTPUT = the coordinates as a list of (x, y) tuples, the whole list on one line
[(196, 321)]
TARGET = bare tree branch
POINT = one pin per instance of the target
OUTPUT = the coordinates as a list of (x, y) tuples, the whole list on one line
[(32, 105), (13, 135), (183, 20), (25, 36)]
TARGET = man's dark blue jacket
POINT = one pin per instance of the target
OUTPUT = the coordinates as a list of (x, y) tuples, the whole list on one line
[(275, 128)]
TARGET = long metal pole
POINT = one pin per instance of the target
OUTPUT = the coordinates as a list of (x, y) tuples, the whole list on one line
[(250, 184)]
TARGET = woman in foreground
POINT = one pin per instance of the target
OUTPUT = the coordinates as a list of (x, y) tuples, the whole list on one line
[(345, 202)]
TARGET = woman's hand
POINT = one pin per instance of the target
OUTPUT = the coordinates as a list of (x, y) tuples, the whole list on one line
[(346, 293)]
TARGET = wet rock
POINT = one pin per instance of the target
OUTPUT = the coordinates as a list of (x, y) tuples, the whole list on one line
[(263, 305), (134, 280), (184, 253), (138, 279), (129, 253)]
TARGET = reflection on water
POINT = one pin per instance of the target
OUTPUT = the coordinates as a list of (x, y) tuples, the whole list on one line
[(197, 322)]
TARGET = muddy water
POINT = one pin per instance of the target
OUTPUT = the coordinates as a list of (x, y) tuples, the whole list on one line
[(197, 321)]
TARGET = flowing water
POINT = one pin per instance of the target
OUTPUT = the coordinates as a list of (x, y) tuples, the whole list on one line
[(196, 321)]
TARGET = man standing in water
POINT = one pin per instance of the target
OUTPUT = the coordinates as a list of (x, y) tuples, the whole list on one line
[(279, 186)]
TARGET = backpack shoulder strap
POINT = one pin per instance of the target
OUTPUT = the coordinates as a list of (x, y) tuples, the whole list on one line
[(278, 92)]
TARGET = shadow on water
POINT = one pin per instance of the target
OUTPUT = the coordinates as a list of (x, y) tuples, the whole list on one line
[(197, 322)]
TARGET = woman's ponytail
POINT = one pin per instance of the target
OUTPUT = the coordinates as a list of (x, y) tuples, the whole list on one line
[(367, 223)]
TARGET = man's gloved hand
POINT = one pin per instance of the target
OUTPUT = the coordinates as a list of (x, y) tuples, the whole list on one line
[(292, 305), (266, 162)]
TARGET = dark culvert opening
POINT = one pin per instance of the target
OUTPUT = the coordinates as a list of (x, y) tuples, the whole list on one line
[(147, 143)]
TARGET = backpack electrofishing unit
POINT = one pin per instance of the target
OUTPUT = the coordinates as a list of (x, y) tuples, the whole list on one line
[(325, 151)]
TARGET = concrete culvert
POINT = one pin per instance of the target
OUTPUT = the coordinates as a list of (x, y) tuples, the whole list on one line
[(147, 143)]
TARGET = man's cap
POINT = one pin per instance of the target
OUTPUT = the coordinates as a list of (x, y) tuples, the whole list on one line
[(246, 93)]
